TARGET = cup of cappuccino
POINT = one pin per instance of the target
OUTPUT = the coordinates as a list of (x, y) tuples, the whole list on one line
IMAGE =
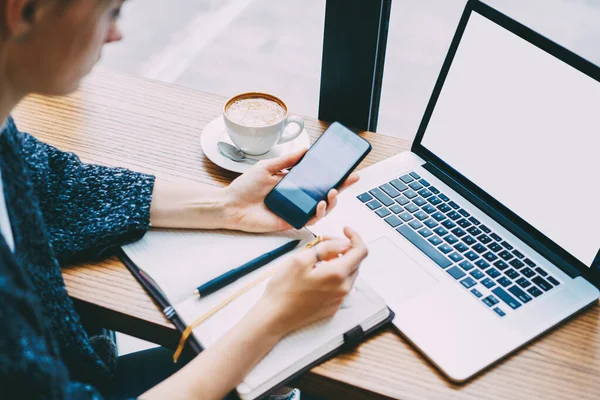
[(257, 121)]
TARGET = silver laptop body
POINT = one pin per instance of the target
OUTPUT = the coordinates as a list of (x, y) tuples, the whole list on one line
[(485, 235)]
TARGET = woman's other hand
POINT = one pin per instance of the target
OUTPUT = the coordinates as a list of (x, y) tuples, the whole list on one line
[(246, 195)]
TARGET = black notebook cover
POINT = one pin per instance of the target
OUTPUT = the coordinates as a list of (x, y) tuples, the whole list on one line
[(352, 338)]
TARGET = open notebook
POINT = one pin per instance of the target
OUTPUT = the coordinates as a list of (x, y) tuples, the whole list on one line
[(179, 261)]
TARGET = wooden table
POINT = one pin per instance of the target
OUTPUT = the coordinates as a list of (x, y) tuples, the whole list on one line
[(116, 119)]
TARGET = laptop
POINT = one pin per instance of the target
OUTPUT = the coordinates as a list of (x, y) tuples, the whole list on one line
[(486, 234)]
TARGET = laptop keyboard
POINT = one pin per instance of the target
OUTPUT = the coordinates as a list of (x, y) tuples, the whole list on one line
[(498, 275)]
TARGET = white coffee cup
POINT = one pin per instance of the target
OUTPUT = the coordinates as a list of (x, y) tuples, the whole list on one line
[(262, 134)]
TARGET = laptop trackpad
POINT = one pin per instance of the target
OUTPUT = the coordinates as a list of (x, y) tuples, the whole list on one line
[(392, 273)]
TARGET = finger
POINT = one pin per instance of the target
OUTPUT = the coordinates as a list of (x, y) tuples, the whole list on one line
[(321, 210), (326, 250), (350, 262), (287, 161), (352, 179), (331, 199)]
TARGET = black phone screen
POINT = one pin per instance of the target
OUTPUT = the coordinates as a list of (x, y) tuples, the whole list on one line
[(323, 167)]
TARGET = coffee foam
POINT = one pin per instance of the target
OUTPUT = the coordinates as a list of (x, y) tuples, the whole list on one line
[(255, 112)]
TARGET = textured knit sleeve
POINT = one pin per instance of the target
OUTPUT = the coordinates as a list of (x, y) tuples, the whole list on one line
[(30, 367), (88, 209)]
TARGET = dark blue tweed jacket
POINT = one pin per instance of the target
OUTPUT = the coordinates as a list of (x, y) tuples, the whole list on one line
[(61, 211)]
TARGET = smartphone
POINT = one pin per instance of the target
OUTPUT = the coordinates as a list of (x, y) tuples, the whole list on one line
[(325, 166)]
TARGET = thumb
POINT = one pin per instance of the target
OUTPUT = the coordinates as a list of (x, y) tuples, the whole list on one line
[(326, 251), (289, 160)]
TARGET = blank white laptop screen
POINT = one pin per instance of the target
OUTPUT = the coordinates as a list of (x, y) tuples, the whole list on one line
[(524, 127)]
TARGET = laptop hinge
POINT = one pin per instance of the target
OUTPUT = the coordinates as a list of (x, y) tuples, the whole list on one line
[(497, 216)]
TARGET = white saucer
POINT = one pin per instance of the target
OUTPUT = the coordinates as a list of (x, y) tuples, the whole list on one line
[(216, 132)]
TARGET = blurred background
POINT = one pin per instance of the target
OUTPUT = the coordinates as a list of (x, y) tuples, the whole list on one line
[(231, 46)]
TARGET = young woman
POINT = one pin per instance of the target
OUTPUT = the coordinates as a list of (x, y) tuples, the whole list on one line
[(55, 210)]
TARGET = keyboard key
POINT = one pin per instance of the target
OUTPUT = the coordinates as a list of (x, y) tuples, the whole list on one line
[(429, 209), (365, 197), (434, 190), (493, 273), (456, 273), (396, 209), (415, 224), (451, 239), (456, 257), (453, 215), (434, 200), (507, 298), (373, 204), (383, 212), (443, 197), (474, 221), (434, 240), (490, 301), (410, 194), (415, 175), (471, 255), (421, 216), (534, 291), (415, 186), (469, 240), (501, 265), (448, 224), (459, 232), (425, 193), (476, 292), (518, 254), (541, 271), (393, 221), (440, 231), (461, 247), (528, 272), (406, 216), (499, 312), (390, 190), (474, 231), (402, 200), (419, 201), (468, 282), (541, 282), (399, 185), (517, 263), (479, 248), (553, 281), (521, 295), (494, 247), (529, 262), (512, 274), (463, 223), (506, 245), (524, 283), (485, 229), (424, 183), (425, 232), (505, 255), (407, 178), (382, 197), (411, 208), (490, 256), (444, 207), (438, 216), (444, 248), (467, 266), (430, 223), (482, 264), (496, 237), (464, 213), (424, 246), (477, 274), (488, 283), (454, 205), (485, 239), (504, 281)]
